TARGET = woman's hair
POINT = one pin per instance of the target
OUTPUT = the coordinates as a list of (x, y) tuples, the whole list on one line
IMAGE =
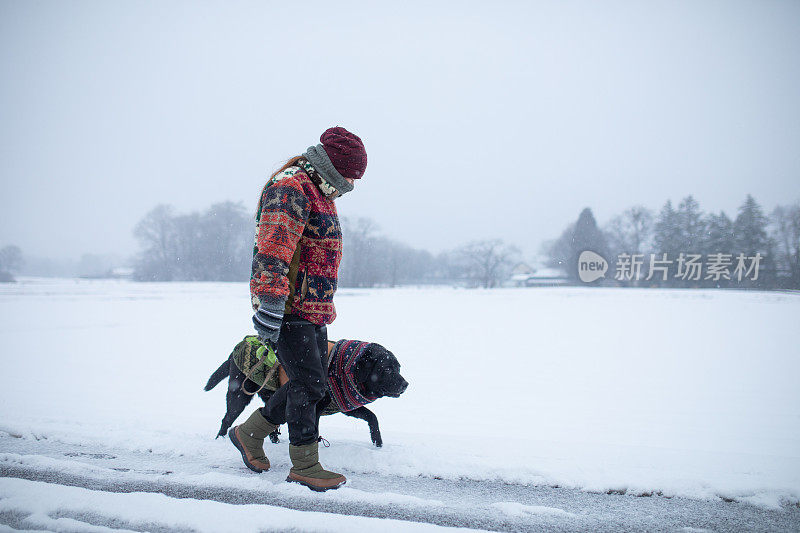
[(290, 163)]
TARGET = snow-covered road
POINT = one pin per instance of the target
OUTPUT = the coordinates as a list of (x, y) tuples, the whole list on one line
[(462, 503)]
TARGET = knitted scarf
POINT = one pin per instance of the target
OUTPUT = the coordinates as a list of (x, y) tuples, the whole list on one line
[(327, 189), (346, 392)]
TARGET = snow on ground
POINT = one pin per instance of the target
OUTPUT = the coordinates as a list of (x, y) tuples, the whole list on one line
[(680, 392), (59, 508)]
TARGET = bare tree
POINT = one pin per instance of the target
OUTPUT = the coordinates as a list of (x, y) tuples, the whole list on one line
[(486, 263), (786, 233), (358, 267), (371, 259), (631, 231), (213, 246), (10, 261), (228, 236), (190, 262), (156, 233)]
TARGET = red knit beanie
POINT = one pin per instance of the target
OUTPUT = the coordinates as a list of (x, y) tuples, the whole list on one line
[(346, 152)]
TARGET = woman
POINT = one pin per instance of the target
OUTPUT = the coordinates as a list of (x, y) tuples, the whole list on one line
[(295, 263)]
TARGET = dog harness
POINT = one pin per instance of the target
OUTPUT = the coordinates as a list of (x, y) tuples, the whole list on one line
[(258, 363)]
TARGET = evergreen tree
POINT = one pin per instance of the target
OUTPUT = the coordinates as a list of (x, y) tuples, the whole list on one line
[(558, 251), (718, 234), (718, 239), (667, 239), (750, 237), (679, 231), (750, 228), (586, 236), (690, 225)]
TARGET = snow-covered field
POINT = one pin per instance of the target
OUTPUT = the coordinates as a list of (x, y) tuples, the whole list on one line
[(688, 393)]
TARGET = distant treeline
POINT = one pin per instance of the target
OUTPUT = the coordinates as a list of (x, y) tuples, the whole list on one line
[(688, 247), (217, 245), (10, 261), (677, 247)]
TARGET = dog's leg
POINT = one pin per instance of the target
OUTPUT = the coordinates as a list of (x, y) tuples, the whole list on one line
[(235, 399), (369, 417)]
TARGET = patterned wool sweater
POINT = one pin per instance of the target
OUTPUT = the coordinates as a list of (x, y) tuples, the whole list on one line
[(298, 246)]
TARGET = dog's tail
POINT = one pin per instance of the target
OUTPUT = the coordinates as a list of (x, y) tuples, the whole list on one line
[(218, 375)]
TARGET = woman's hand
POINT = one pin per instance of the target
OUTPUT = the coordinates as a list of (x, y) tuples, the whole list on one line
[(268, 324)]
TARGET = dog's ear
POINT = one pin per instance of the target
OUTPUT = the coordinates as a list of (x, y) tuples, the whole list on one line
[(365, 364)]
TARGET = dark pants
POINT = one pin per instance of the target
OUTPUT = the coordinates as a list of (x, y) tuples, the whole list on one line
[(301, 347)]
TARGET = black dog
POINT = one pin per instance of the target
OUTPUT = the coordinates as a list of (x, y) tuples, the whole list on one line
[(377, 371)]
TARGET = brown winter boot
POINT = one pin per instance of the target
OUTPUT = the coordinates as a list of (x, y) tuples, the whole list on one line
[(307, 471), (249, 440)]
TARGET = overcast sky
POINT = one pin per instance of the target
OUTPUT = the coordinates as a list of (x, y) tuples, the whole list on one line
[(481, 120)]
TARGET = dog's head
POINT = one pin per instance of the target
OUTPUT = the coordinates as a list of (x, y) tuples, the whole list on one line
[(379, 372)]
